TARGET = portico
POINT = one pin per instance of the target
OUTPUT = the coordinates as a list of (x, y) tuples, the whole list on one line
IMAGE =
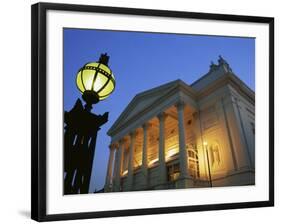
[(150, 145)]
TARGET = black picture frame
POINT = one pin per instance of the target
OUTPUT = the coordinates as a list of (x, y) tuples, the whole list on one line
[(39, 122)]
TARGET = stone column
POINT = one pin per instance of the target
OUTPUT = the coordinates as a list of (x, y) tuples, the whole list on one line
[(118, 166), (109, 167), (115, 168), (182, 146), (131, 161), (161, 155), (144, 154)]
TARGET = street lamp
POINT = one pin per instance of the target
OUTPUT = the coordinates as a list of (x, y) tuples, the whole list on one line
[(96, 82), (208, 163)]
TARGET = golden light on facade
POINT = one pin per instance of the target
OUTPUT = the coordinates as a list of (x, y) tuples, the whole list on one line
[(125, 172), (152, 162), (171, 152)]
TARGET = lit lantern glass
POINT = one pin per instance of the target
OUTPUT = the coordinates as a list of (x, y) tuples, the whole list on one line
[(96, 77)]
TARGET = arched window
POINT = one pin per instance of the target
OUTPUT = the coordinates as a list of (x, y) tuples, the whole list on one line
[(193, 163)]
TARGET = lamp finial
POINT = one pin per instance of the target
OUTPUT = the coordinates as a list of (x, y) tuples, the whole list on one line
[(104, 58)]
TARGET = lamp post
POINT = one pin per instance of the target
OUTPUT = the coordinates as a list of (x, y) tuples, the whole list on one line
[(96, 82), (208, 163)]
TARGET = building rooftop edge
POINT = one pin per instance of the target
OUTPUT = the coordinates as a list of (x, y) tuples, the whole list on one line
[(223, 68)]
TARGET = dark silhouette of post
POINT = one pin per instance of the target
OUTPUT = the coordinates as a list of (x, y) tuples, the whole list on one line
[(82, 126), (80, 133)]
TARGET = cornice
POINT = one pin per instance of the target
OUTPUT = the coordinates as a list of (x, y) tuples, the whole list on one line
[(232, 80), (180, 87)]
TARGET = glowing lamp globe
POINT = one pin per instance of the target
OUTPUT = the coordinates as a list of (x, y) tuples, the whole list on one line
[(95, 80)]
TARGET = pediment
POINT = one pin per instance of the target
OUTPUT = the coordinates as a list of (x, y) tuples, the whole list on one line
[(142, 101)]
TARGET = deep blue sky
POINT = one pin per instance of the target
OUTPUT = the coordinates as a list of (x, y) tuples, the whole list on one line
[(141, 61)]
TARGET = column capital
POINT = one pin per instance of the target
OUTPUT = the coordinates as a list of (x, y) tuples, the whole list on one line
[(120, 141), (132, 133), (112, 146), (162, 115), (180, 104), (146, 125)]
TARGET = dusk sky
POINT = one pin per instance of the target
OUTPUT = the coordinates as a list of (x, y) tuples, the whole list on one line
[(141, 61)]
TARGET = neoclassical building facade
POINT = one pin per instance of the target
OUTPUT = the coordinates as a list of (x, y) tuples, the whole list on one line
[(180, 136)]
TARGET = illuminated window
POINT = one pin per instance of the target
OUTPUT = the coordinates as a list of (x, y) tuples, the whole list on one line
[(193, 163), (173, 172)]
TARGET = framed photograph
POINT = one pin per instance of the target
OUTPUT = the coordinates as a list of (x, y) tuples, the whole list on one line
[(173, 111)]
